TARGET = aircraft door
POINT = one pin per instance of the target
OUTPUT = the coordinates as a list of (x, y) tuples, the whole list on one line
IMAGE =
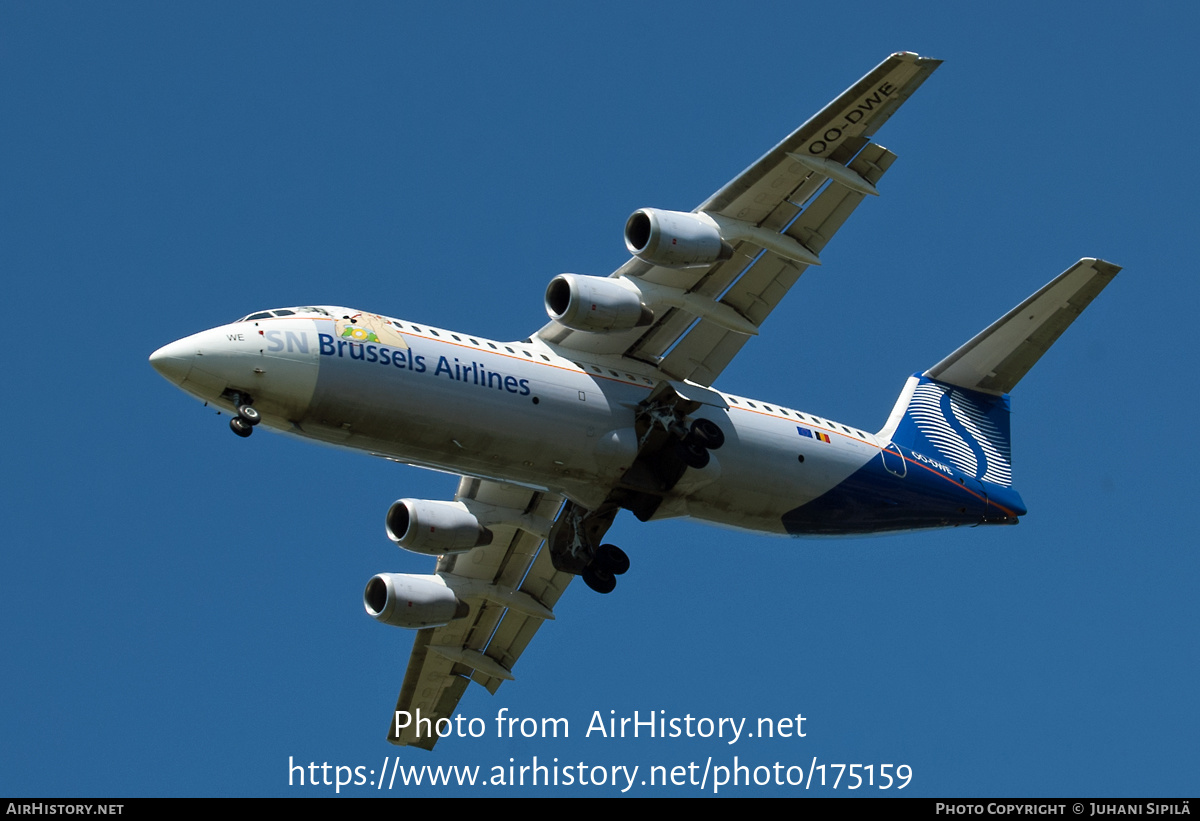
[(893, 460)]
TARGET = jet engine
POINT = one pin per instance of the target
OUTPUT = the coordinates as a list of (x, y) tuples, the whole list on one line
[(595, 304), (435, 528), (406, 600), (674, 239)]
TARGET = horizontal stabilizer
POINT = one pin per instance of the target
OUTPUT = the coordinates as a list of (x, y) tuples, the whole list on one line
[(996, 359)]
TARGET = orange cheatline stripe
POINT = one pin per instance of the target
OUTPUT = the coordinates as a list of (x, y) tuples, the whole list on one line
[(543, 363)]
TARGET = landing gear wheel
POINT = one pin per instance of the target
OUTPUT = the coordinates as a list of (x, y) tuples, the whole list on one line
[(611, 559), (692, 453), (707, 434), (240, 426), (249, 415), (599, 580)]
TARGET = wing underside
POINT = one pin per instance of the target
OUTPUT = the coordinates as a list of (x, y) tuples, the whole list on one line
[(511, 588), (783, 210)]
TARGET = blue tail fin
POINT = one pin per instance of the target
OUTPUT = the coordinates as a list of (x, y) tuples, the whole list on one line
[(966, 428), (958, 410)]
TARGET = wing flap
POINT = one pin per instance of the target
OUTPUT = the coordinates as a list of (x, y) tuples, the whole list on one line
[(704, 351), (545, 585), (430, 686), (819, 222)]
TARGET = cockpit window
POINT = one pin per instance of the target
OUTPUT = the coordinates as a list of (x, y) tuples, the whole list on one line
[(285, 312)]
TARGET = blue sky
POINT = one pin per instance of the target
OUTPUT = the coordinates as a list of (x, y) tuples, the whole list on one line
[(182, 608)]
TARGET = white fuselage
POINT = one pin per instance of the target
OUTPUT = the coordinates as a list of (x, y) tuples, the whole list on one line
[(516, 412)]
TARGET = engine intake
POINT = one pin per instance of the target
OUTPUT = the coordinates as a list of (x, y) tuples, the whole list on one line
[(596, 304), (406, 600), (674, 239), (435, 528)]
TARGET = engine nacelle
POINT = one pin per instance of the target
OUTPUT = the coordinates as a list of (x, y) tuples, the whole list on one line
[(674, 239), (435, 528), (406, 600), (595, 304)]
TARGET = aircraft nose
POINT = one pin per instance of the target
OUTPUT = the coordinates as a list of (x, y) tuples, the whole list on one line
[(174, 361)]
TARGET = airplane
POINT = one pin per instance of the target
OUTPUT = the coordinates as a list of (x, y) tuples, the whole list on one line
[(611, 406)]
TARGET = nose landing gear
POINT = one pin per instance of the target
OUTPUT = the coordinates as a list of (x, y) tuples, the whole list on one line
[(247, 417)]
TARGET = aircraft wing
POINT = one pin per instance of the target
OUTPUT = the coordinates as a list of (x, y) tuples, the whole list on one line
[(782, 210), (511, 588)]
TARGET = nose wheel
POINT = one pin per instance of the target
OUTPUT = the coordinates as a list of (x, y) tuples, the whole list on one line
[(247, 417), (248, 414)]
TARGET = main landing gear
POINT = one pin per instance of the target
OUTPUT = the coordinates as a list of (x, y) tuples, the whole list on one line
[(693, 449), (667, 447), (575, 547), (609, 562), (247, 417)]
